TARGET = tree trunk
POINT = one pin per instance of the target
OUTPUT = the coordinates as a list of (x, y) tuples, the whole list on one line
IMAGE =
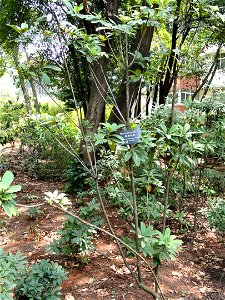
[(165, 85), (35, 97), (173, 102), (210, 80), (96, 103), (171, 71), (141, 44), (137, 112), (80, 79), (212, 70), (22, 83), (148, 100), (25, 92)]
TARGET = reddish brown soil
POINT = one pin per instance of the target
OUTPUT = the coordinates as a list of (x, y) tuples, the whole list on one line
[(197, 273)]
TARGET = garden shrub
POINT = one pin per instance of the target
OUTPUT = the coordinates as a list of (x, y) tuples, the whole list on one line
[(91, 212), (44, 139), (20, 280), (43, 281), (8, 194), (12, 269), (216, 214), (153, 243), (34, 213), (10, 113), (215, 179), (74, 176), (74, 238), (52, 108)]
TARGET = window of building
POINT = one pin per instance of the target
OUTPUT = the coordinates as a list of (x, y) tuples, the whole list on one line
[(221, 64), (182, 96)]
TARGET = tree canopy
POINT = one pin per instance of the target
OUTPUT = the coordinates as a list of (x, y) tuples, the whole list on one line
[(111, 51)]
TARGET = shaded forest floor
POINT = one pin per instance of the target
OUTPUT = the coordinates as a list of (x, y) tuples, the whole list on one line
[(197, 273)]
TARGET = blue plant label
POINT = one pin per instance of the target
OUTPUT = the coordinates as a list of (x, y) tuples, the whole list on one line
[(131, 136)]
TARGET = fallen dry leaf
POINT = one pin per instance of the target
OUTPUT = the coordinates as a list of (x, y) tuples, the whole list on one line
[(121, 271), (69, 297), (176, 273), (102, 293)]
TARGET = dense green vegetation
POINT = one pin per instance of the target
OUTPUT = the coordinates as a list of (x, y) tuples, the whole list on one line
[(174, 173), (35, 281), (103, 59)]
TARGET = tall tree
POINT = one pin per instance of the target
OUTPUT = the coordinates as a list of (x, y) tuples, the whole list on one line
[(115, 49), (13, 12)]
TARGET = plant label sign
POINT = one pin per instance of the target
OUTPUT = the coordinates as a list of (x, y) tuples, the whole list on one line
[(131, 136)]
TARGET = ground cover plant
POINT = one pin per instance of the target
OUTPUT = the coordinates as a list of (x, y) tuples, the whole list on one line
[(22, 281)]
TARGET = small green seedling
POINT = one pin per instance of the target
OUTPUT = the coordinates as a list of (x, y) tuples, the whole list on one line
[(34, 213), (30, 198)]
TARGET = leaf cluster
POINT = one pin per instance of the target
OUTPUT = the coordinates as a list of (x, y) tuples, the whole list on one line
[(8, 194), (153, 243), (216, 214), (43, 281), (35, 282), (74, 238)]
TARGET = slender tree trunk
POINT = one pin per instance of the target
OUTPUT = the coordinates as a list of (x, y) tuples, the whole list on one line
[(181, 202), (22, 83), (137, 113), (25, 92), (35, 97), (210, 80), (166, 199), (171, 71), (148, 100), (204, 81), (136, 225), (156, 91), (197, 199), (156, 270), (173, 101), (165, 84)]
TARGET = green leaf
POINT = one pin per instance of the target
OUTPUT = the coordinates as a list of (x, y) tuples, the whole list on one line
[(53, 67), (164, 128), (7, 179), (77, 8), (186, 127), (128, 156), (16, 28), (136, 159), (14, 210), (47, 135), (68, 5), (24, 26), (13, 189), (9, 209), (167, 232), (45, 78), (143, 244)]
